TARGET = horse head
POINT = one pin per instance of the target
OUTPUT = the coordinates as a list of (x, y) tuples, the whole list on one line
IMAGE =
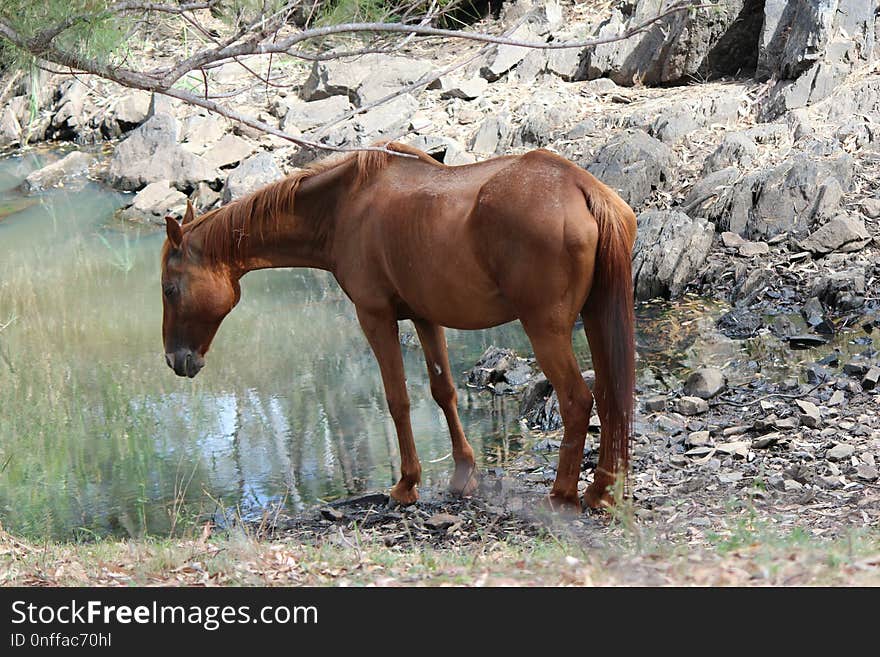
[(196, 295)]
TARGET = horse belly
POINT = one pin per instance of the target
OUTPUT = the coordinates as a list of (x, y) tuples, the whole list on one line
[(449, 292)]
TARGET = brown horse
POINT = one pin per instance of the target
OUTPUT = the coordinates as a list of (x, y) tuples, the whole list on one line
[(532, 237)]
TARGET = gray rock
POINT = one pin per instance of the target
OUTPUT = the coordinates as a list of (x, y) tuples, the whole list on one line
[(840, 452), (809, 415), (200, 132), (493, 135), (544, 116), (154, 202), (679, 120), (871, 207), (633, 164), (132, 109), (705, 383), (71, 165), (736, 149), (255, 172), (843, 290), (691, 406), (697, 439), (10, 129), (301, 117), (71, 111), (843, 233), (871, 379), (810, 47), (791, 197), (867, 472), (670, 248), (464, 89), (364, 79), (704, 43), (710, 195), (655, 404), (150, 153), (753, 249), (504, 57), (228, 151)]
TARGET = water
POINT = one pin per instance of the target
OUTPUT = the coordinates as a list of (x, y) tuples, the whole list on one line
[(98, 436)]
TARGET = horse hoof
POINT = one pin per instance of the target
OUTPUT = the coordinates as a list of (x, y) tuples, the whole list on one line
[(562, 504), (464, 482), (404, 494), (598, 498)]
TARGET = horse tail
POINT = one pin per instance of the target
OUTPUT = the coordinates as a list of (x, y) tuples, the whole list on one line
[(609, 323)]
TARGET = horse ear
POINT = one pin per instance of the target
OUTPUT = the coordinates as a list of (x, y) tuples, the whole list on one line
[(175, 233), (190, 213)]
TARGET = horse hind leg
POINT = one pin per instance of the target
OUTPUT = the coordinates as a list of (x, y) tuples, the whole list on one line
[(556, 357), (433, 339)]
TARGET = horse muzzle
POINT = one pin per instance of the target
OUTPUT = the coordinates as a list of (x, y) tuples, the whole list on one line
[(185, 362)]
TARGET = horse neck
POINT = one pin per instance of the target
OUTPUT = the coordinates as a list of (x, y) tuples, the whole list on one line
[(303, 235)]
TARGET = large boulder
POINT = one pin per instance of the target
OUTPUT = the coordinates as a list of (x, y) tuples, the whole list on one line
[(677, 120), (252, 174), (810, 47), (791, 197), (151, 153), (843, 233), (364, 79), (543, 116), (670, 248), (154, 202), (10, 129), (736, 149), (634, 164), (703, 43), (71, 165), (301, 117)]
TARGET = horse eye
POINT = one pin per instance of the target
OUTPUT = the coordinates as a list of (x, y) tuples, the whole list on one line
[(169, 289)]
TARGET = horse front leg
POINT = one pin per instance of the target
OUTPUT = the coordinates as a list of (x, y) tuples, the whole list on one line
[(382, 334), (433, 339)]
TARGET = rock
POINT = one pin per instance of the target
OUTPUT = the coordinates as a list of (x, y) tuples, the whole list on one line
[(811, 47), (678, 120), (71, 110), (200, 132), (465, 89), (871, 207), (301, 117), (815, 374), (669, 250), (150, 153), (253, 173), (837, 398), (732, 240), (565, 63), (791, 197), (705, 383), (442, 521), (633, 164), (691, 406), (736, 149), (704, 43), (655, 404), (73, 164), (710, 195), (871, 378), (504, 57), (493, 135), (767, 440), (738, 448), (132, 109), (867, 472), (697, 439), (365, 78), (205, 198), (753, 249), (228, 151), (10, 129), (544, 116), (813, 312), (840, 452), (843, 290), (809, 416), (154, 202), (843, 233), (499, 366), (388, 120)]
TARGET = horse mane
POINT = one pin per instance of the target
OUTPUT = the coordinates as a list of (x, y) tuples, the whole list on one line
[(225, 230)]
